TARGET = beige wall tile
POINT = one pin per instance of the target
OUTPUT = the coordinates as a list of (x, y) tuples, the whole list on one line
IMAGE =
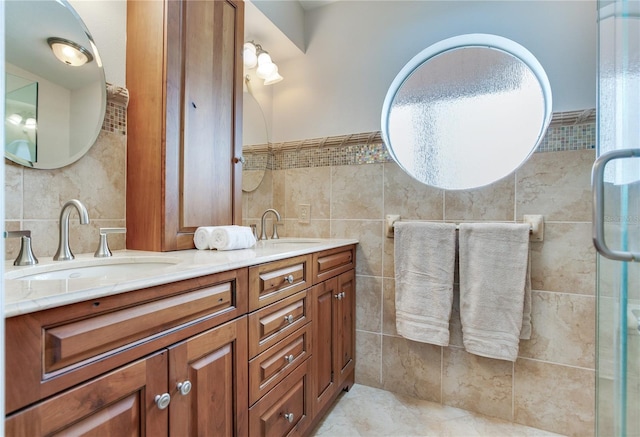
[(369, 303), (493, 202), (477, 383), (411, 368), (311, 185), (13, 191), (565, 260), (389, 307), (554, 397), (97, 180), (356, 192), (256, 202), (368, 358), (313, 229), (563, 329), (412, 199), (369, 249), (556, 185), (278, 200)]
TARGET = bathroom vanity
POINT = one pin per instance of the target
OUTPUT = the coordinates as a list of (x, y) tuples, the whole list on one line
[(249, 342)]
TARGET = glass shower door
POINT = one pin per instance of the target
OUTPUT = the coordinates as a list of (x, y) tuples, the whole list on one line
[(616, 185)]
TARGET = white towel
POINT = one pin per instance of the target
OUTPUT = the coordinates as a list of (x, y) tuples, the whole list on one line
[(202, 237), (495, 288), (224, 237), (424, 265)]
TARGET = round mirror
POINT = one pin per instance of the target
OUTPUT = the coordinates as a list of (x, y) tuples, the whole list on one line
[(55, 88), (255, 142), (467, 111)]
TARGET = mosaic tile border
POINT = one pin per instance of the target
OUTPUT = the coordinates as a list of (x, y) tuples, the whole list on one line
[(574, 130), (115, 116)]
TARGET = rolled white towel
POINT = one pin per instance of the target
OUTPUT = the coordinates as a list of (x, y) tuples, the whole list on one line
[(203, 237), (232, 237)]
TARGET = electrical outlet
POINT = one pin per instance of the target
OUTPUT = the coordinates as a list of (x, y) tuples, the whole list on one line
[(304, 213)]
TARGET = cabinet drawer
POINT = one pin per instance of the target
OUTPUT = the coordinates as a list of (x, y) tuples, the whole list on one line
[(284, 411), (273, 323), (52, 350), (332, 262), (272, 281), (273, 365)]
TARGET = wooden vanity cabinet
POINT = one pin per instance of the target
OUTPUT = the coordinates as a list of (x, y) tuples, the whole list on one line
[(184, 76), (228, 368), (103, 365), (129, 400), (295, 376)]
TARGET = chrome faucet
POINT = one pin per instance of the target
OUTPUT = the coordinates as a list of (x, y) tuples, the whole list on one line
[(64, 252), (263, 234)]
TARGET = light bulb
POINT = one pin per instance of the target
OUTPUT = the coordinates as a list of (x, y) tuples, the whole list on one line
[(69, 52), (249, 57), (14, 119), (265, 66), (274, 77), (30, 123)]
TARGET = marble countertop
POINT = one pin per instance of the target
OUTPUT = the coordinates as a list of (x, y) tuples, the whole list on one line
[(24, 296)]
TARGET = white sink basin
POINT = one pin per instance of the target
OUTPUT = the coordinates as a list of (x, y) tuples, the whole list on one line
[(103, 268)]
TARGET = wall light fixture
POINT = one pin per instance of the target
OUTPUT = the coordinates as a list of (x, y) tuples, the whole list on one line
[(69, 52), (255, 56)]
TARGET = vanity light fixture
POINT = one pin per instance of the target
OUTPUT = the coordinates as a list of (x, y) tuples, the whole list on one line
[(14, 119), (255, 56), (69, 52)]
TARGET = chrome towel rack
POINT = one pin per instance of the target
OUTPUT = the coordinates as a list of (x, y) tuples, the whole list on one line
[(536, 225)]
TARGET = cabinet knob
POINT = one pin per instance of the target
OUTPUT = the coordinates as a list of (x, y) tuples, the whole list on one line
[(342, 295), (162, 401), (240, 159), (289, 318), (289, 279), (338, 296), (184, 387), (289, 358), (288, 417)]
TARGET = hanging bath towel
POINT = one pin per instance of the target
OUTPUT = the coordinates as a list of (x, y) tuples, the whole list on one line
[(424, 257), (495, 290)]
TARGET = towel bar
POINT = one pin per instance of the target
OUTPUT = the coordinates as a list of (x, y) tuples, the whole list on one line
[(536, 223)]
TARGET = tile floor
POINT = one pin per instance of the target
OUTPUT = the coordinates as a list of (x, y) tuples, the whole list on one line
[(368, 412)]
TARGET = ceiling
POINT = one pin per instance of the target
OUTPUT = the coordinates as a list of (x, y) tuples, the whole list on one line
[(260, 29)]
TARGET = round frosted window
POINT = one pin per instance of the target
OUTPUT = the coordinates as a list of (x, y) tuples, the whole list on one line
[(467, 111)]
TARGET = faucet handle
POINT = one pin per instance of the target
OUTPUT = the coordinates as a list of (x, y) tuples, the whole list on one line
[(26, 256), (103, 247)]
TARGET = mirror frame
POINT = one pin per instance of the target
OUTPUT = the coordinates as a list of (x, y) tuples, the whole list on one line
[(92, 133), (476, 40)]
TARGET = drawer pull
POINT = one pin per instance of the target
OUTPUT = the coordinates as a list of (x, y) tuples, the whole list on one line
[(289, 318), (289, 358), (288, 417), (289, 279), (184, 387), (162, 401)]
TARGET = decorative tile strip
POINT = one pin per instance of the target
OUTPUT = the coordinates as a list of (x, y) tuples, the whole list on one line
[(115, 117), (572, 130)]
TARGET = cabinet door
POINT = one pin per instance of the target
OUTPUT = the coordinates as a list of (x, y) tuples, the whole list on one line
[(120, 403), (345, 329), (325, 301), (215, 365), (185, 130), (203, 87)]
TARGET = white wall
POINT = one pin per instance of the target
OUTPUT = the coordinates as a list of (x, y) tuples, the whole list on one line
[(356, 48), (107, 22)]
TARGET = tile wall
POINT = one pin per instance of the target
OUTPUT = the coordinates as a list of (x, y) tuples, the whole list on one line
[(551, 386), (34, 198)]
